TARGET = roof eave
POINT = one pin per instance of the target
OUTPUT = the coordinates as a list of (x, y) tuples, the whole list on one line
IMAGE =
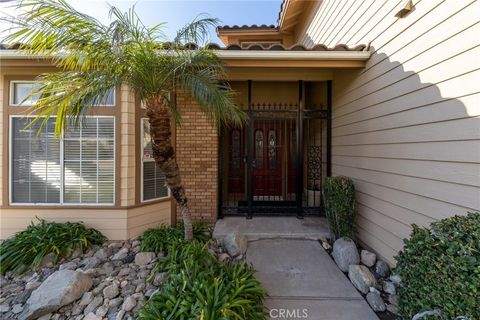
[(244, 54)]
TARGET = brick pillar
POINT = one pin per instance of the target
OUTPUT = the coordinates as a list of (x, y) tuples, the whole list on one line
[(197, 156)]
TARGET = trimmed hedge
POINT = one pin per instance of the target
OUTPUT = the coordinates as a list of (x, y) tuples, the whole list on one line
[(339, 200), (440, 268)]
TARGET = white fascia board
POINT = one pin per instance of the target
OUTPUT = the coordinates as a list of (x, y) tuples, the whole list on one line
[(246, 54)]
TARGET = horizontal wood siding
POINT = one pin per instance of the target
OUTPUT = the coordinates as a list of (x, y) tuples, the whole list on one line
[(407, 127)]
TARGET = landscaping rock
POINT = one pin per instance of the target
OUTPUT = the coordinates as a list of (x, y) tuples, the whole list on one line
[(235, 244), (17, 308), (90, 263), (129, 303), (123, 272), (361, 278), (326, 245), (382, 269), (158, 280), (45, 317), (111, 291), (92, 316), (59, 289), (92, 306), (68, 266), (121, 254), (393, 309), (103, 254), (389, 287), (345, 253), (394, 299), (395, 279), (375, 301), (368, 258), (47, 261), (4, 308), (144, 258), (115, 302), (86, 298), (32, 285)]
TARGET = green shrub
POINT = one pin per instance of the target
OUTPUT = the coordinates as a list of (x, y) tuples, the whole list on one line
[(339, 201), (158, 239), (26, 249), (440, 268), (198, 286)]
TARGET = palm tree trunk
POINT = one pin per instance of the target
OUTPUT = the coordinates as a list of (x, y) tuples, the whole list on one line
[(165, 158)]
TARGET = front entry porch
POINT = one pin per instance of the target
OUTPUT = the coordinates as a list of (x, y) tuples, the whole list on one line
[(276, 164)]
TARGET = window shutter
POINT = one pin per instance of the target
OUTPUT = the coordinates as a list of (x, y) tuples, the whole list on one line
[(35, 163), (154, 183), (89, 162)]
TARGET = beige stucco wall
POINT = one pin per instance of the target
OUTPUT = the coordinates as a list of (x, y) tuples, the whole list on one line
[(407, 127), (129, 217), (115, 224)]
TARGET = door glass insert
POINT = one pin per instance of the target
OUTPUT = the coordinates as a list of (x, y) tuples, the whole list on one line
[(259, 149), (236, 149), (272, 149)]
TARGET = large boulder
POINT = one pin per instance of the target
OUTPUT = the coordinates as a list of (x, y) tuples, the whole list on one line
[(345, 253), (235, 244), (361, 278), (59, 289)]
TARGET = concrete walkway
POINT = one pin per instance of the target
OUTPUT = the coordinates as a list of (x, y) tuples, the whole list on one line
[(312, 228), (302, 280)]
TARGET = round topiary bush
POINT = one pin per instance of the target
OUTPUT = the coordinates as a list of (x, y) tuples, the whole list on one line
[(440, 269)]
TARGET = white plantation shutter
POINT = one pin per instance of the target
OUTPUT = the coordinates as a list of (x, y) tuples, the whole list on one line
[(89, 162), (83, 174), (35, 163), (153, 180)]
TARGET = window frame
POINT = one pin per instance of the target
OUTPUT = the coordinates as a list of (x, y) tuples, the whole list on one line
[(61, 203), (109, 105), (142, 146), (12, 95)]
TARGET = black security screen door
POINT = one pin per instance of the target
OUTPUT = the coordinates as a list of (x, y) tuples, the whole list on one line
[(276, 164)]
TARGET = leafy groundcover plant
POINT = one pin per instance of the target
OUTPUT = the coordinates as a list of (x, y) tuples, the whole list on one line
[(158, 239), (198, 286), (440, 269), (26, 249), (339, 199)]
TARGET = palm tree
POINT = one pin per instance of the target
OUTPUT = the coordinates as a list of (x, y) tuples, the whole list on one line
[(92, 58)]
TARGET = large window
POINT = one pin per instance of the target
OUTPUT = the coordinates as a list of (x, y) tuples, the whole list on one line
[(78, 168), (153, 180)]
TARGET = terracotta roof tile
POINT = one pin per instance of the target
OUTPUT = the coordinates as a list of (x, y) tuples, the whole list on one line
[(248, 27), (253, 46)]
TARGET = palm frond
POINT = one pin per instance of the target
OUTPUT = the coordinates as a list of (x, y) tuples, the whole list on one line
[(199, 76), (69, 96), (197, 31)]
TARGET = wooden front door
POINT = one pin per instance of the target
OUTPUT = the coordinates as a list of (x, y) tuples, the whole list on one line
[(267, 157)]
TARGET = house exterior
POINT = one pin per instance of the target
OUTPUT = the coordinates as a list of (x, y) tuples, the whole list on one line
[(385, 92)]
